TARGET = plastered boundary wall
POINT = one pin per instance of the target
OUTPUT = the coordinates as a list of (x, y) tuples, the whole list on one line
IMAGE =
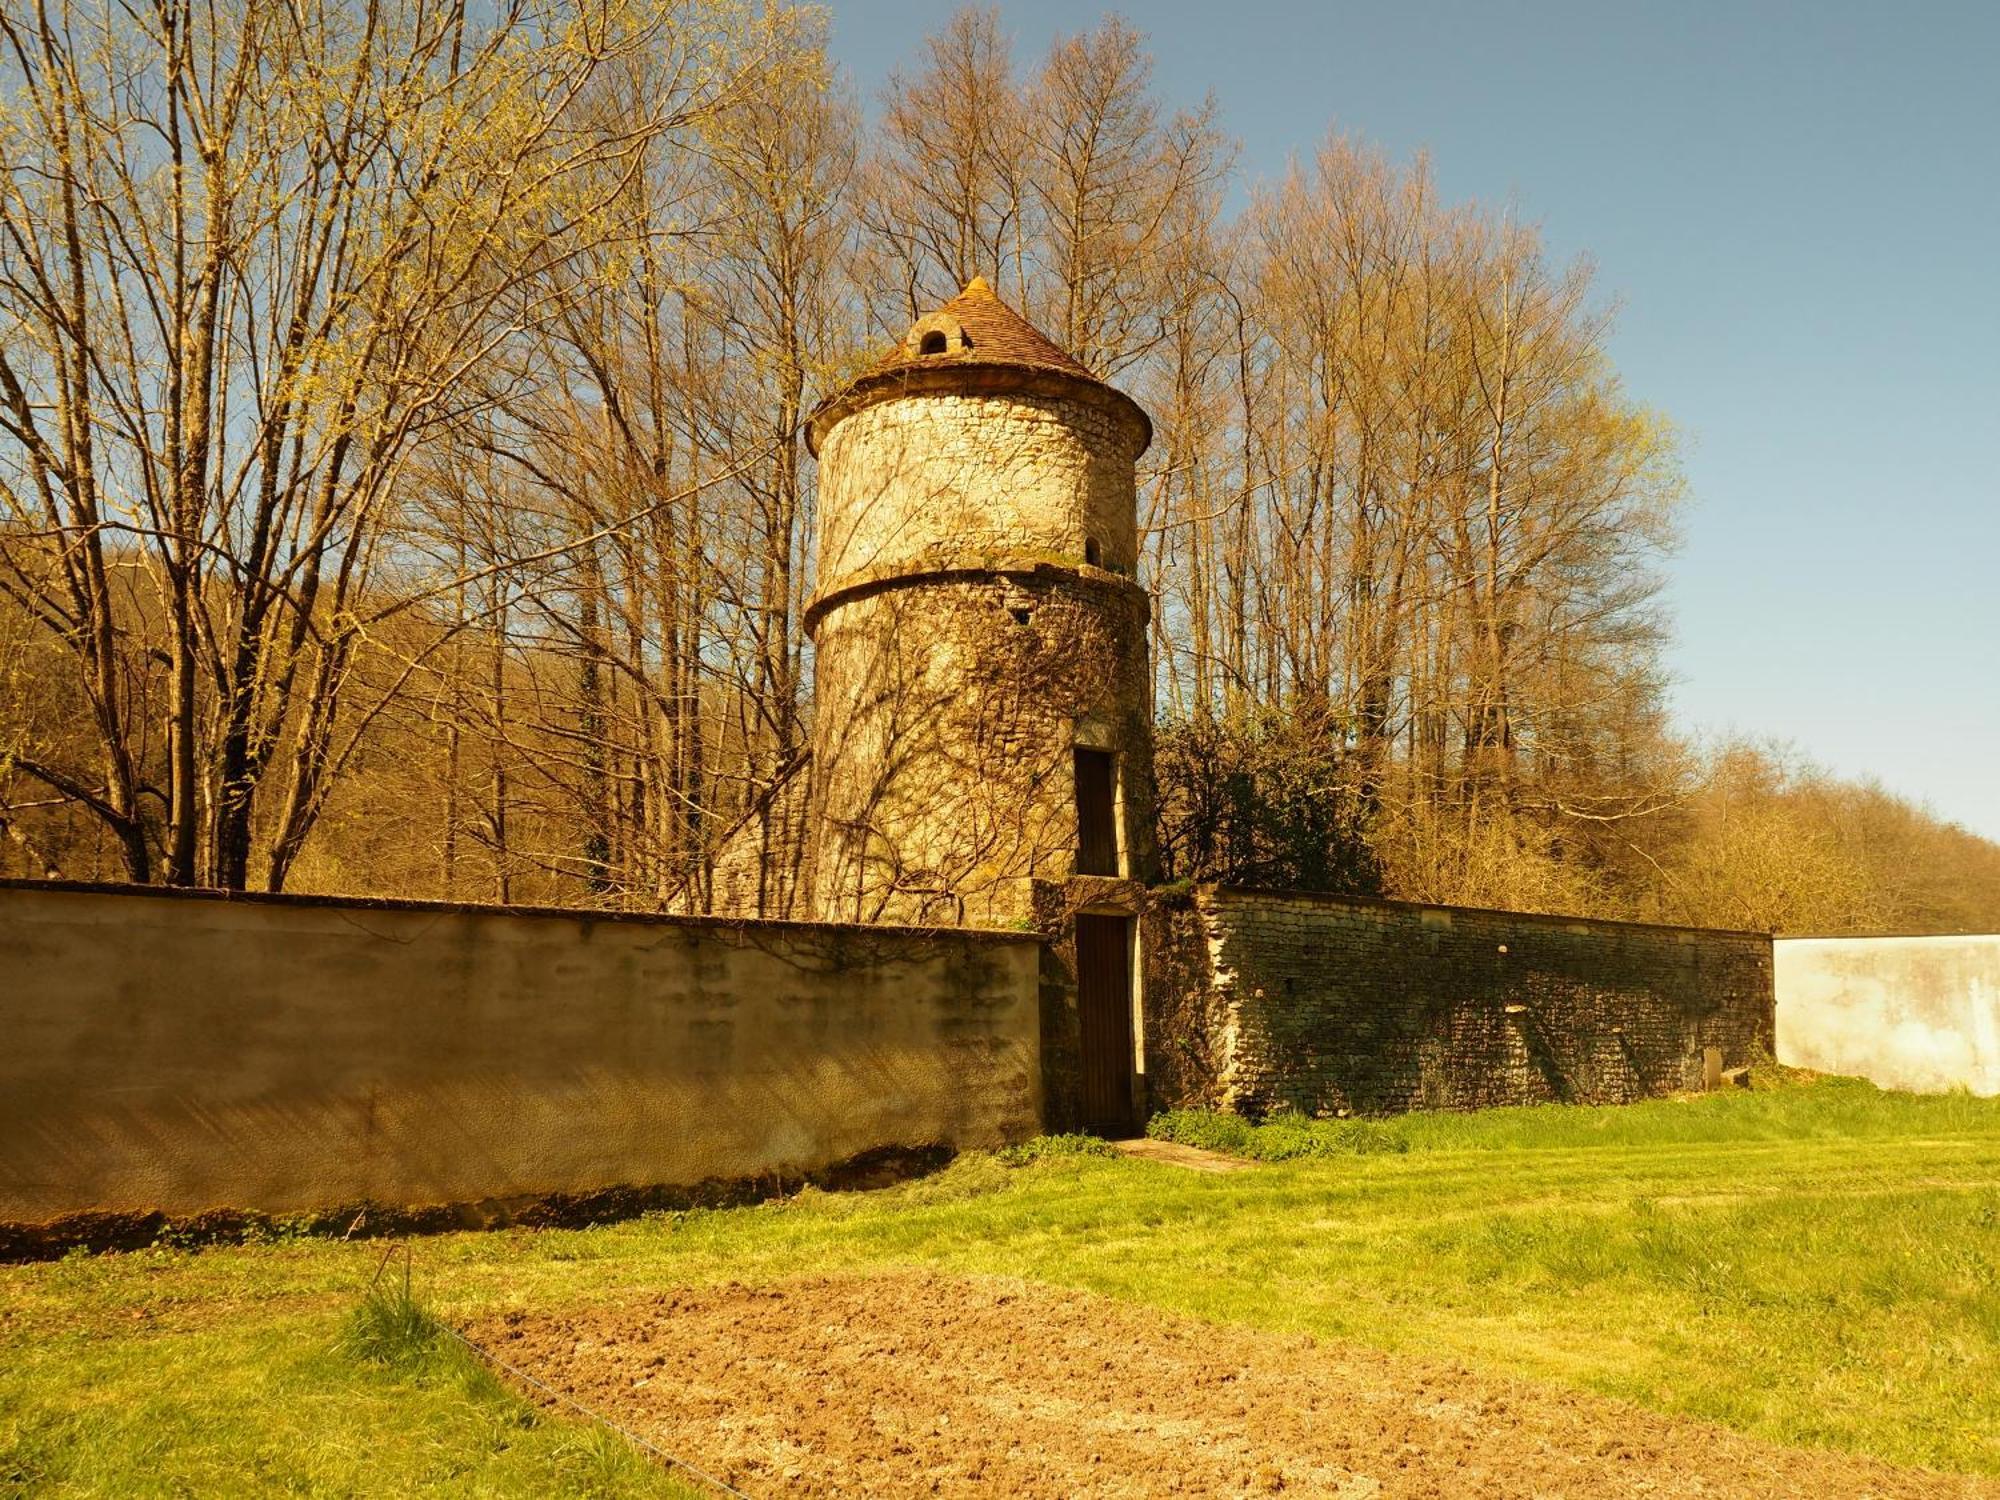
[(1330, 1004), (184, 1052), (1918, 1013)]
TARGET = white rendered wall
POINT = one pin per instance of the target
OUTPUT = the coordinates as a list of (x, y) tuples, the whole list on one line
[(1917, 1013)]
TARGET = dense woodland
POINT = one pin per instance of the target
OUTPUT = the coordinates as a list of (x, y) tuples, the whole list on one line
[(403, 489)]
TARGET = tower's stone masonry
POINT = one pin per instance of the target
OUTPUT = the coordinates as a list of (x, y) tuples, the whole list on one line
[(949, 787), (929, 480), (978, 622)]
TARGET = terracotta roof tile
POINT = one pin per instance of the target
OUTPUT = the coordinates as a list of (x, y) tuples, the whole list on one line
[(976, 328), (970, 343)]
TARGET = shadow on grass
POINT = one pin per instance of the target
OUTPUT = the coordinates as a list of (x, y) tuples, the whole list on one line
[(882, 1166)]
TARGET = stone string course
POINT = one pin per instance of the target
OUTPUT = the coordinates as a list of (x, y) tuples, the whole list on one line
[(1259, 1001)]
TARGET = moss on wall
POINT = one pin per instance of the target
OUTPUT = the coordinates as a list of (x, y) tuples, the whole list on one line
[(1260, 1000)]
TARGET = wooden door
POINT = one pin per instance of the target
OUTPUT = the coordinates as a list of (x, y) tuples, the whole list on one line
[(1104, 1014)]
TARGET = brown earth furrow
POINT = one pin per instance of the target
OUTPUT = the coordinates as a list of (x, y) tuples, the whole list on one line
[(919, 1384)]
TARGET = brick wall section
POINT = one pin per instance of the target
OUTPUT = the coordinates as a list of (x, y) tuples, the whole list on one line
[(1259, 999)]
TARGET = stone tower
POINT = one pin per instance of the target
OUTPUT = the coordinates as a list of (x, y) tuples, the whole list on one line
[(982, 749)]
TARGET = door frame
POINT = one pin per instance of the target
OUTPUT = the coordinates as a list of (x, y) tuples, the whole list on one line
[(1133, 1069)]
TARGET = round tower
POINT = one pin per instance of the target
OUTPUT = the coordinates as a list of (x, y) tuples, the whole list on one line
[(982, 693)]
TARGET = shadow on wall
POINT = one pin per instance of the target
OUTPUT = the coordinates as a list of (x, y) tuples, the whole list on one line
[(1916, 1013)]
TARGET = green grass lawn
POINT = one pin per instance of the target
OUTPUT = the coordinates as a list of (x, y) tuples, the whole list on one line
[(1814, 1265)]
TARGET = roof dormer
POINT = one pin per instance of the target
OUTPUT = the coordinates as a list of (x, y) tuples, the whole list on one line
[(940, 333)]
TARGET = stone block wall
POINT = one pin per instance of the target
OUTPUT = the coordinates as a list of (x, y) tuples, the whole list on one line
[(1258, 1000)]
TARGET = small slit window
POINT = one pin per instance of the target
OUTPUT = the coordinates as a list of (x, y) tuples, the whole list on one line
[(1022, 616), (934, 343), (1092, 553)]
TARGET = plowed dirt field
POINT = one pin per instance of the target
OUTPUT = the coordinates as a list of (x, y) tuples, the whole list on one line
[(918, 1384)]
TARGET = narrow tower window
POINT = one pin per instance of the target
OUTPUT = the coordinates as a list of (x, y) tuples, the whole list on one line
[(934, 343), (1092, 553), (1096, 812)]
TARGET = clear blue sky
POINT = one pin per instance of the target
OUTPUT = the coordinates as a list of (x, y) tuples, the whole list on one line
[(1797, 207)]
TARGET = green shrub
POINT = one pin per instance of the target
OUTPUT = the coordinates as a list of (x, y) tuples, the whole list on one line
[(1208, 1129), (1042, 1147)]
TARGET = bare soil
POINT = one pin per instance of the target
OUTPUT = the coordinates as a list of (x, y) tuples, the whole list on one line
[(1174, 1154), (918, 1384)]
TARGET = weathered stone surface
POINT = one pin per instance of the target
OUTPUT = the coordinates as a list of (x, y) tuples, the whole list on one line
[(977, 620), (1330, 1005), (181, 1053), (1919, 1013), (760, 868), (949, 785), (929, 478)]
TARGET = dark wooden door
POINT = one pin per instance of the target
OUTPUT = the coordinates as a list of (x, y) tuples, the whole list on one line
[(1104, 1013)]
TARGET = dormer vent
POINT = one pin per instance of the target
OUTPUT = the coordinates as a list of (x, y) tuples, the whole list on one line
[(940, 333)]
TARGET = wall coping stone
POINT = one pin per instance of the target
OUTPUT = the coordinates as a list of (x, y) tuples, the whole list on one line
[(494, 909), (1380, 903)]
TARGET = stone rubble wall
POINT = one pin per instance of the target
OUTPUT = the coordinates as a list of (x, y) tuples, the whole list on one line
[(949, 787), (924, 480), (977, 619), (760, 869), (1259, 1000)]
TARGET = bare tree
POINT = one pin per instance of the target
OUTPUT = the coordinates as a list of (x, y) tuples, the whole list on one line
[(252, 259)]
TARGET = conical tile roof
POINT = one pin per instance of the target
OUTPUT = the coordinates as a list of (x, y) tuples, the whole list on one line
[(989, 333), (971, 344)]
